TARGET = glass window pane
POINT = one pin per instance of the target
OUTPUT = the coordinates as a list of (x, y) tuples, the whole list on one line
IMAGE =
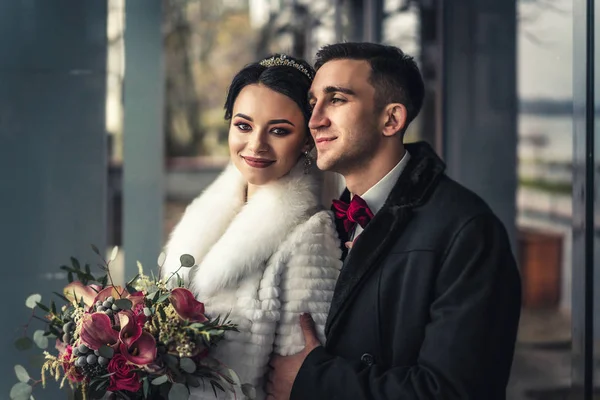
[(542, 365)]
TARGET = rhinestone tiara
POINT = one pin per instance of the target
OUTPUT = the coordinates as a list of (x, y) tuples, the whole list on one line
[(282, 60)]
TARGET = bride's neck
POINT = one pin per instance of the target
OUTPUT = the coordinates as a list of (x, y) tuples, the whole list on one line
[(250, 190)]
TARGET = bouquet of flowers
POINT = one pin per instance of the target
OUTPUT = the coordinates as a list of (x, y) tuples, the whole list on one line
[(150, 339)]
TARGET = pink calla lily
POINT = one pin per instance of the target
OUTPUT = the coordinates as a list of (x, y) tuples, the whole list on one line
[(97, 331), (140, 352), (75, 291), (130, 328), (186, 305)]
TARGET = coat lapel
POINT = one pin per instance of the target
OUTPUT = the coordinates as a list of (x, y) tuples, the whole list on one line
[(412, 189)]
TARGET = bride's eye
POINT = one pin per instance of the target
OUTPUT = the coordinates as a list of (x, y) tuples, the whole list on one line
[(280, 131), (243, 127)]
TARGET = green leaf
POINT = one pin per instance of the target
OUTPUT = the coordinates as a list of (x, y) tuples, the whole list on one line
[(160, 380), (113, 254), (187, 365), (61, 296), (43, 307), (66, 268), (249, 391), (193, 381), (53, 307), (163, 297), (187, 261), (21, 373), (124, 304), (133, 280), (161, 259), (106, 352), (23, 343), (88, 270), (95, 249), (40, 339), (235, 377), (178, 392), (33, 300), (146, 387), (75, 263), (170, 360), (70, 277), (21, 391)]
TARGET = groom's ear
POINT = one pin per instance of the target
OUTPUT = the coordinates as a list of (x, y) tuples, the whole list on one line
[(393, 119)]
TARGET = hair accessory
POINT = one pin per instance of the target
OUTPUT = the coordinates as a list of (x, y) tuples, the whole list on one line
[(283, 60)]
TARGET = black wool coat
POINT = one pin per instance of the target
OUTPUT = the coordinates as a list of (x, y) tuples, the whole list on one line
[(427, 303)]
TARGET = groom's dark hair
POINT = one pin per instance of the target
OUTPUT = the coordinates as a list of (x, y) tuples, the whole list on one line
[(394, 74)]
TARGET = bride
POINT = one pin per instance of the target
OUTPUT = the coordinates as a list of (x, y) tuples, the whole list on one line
[(265, 248)]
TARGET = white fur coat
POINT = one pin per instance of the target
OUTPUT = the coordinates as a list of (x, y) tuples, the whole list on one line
[(266, 262)]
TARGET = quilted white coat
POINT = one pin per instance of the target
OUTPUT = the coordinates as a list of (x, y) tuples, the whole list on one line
[(265, 262)]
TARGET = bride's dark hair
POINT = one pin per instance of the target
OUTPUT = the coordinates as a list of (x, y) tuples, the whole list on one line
[(292, 80)]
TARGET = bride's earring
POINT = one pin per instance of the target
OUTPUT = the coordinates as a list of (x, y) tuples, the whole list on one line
[(307, 162)]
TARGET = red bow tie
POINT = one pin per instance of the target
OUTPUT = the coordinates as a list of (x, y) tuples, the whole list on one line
[(357, 212)]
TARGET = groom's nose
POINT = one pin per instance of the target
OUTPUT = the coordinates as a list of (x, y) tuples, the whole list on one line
[(318, 118)]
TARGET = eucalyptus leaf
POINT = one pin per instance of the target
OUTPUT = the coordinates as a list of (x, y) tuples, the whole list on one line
[(106, 352), (160, 380), (113, 253), (235, 377), (23, 343), (21, 373), (161, 259), (146, 387), (124, 304), (193, 381), (40, 340), (20, 391), (170, 360), (178, 392), (187, 365), (249, 391), (163, 297), (33, 300), (187, 261)]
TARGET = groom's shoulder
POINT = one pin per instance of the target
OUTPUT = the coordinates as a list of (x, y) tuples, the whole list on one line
[(451, 205)]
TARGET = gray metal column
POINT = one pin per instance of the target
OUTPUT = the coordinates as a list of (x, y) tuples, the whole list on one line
[(52, 155), (480, 101), (143, 139)]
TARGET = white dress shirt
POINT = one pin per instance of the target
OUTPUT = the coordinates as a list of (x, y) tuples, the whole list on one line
[(376, 196)]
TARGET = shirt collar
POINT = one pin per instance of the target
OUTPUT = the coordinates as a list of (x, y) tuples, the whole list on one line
[(378, 194)]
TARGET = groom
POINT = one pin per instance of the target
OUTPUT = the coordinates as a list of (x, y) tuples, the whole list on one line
[(428, 300)]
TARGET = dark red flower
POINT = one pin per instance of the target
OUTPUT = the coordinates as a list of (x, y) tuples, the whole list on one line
[(123, 378), (186, 305), (131, 330), (140, 352), (97, 331)]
